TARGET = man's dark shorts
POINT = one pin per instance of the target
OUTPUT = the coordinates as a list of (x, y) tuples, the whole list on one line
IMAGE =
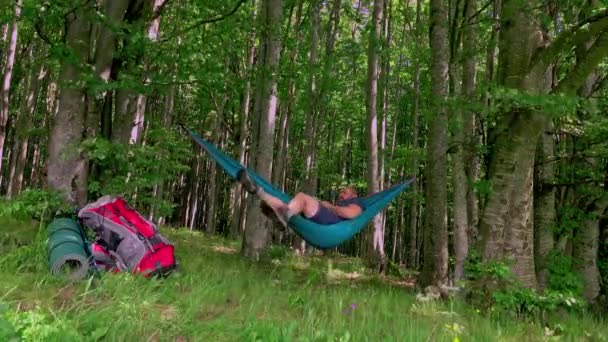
[(325, 216)]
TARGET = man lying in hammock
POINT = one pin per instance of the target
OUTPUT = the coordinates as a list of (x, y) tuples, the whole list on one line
[(348, 206)]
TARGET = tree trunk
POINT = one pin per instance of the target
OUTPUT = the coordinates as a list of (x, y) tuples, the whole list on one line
[(239, 203), (471, 136), (492, 46), (544, 206), (585, 251), (214, 179), (114, 12), (67, 164), (435, 270), (384, 81), (24, 122), (462, 225), (413, 246), (21, 125), (140, 107), (311, 110), (281, 161), (6, 80), (375, 251), (256, 231), (461, 237), (4, 34), (505, 226), (125, 105)]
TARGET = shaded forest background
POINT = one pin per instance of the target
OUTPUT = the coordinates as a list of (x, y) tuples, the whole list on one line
[(498, 107)]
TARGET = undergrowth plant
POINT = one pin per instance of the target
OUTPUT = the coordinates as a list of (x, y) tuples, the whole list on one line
[(492, 288)]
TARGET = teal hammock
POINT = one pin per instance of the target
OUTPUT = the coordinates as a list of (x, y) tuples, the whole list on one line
[(318, 235)]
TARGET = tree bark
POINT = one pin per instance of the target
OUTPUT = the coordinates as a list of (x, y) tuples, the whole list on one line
[(214, 179), (472, 139), (67, 164), (256, 231), (435, 269), (126, 98), (375, 253), (24, 122), (505, 225), (6, 79), (140, 106), (114, 12), (462, 207), (544, 206), (311, 110), (239, 203), (384, 81), (585, 250), (413, 246)]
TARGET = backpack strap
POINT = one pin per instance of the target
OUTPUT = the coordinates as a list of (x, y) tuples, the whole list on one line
[(120, 263)]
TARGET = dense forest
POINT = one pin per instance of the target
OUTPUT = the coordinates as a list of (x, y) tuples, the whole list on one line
[(496, 106)]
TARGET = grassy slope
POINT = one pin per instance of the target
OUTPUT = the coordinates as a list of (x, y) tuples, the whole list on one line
[(217, 296)]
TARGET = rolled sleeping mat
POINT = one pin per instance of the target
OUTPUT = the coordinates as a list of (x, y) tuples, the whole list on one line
[(67, 249)]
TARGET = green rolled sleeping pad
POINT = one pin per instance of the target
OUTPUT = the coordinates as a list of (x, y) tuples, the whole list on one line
[(67, 248)]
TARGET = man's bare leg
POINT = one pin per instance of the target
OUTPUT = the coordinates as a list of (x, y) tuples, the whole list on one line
[(300, 204), (303, 204)]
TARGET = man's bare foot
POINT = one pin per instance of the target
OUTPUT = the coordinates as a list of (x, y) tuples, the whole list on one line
[(248, 184), (281, 214)]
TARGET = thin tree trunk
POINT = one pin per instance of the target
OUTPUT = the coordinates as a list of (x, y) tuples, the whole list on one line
[(384, 81), (375, 251), (50, 110), (67, 167), (4, 34), (492, 47), (346, 151), (471, 137), (24, 122), (140, 107), (311, 111), (20, 126), (6, 80), (126, 98), (413, 246), (329, 62), (239, 203), (213, 198), (256, 231), (435, 270), (114, 12), (461, 188)]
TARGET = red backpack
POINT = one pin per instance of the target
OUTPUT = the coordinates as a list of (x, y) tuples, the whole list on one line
[(126, 239)]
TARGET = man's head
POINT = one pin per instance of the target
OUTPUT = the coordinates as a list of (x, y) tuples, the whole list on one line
[(347, 193)]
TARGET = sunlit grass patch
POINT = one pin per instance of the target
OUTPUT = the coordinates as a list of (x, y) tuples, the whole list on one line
[(216, 295)]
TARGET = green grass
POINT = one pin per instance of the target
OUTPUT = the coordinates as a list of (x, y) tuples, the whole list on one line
[(218, 296)]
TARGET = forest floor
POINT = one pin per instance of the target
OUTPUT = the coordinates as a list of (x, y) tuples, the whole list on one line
[(219, 296)]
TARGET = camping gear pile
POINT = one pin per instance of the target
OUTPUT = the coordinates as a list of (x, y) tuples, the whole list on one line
[(124, 242)]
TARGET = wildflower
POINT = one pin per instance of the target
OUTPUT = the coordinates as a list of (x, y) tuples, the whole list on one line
[(350, 309)]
